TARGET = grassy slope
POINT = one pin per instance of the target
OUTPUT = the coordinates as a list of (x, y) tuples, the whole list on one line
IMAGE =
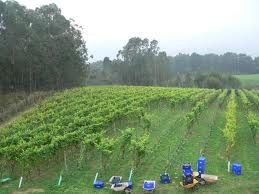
[(251, 80), (167, 128)]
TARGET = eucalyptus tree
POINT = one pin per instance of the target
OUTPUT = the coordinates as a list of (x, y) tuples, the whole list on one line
[(40, 48)]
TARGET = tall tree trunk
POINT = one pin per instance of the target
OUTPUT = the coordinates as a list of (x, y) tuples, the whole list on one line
[(155, 74), (22, 81), (30, 79)]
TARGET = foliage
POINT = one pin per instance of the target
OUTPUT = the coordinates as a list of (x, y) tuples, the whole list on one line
[(171, 134), (146, 121), (140, 147), (231, 63), (191, 97), (92, 139), (253, 123), (222, 97), (39, 48), (253, 98), (138, 63), (205, 80), (229, 130), (125, 139), (244, 99), (105, 146), (74, 116), (141, 63), (199, 107)]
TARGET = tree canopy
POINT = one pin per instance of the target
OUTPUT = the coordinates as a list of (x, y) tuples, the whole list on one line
[(39, 48), (140, 62)]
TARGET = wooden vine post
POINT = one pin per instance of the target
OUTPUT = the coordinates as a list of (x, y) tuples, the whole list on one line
[(65, 160)]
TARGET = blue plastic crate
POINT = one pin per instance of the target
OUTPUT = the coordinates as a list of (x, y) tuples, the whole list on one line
[(165, 178), (149, 185), (187, 169), (187, 172), (98, 185), (237, 169)]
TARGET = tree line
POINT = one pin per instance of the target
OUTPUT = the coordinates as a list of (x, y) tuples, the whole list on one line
[(229, 62), (140, 62), (40, 49)]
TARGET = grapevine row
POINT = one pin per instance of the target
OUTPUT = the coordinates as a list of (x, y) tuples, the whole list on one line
[(189, 120), (67, 117), (229, 130), (252, 120)]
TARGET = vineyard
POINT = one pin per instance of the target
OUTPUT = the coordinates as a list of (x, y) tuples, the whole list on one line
[(113, 129)]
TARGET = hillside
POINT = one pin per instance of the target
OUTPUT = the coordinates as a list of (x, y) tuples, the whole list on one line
[(112, 129)]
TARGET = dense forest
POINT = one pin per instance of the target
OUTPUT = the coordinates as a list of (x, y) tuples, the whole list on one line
[(141, 62), (41, 49), (229, 62)]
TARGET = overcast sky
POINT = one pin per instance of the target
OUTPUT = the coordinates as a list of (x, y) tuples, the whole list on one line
[(202, 26)]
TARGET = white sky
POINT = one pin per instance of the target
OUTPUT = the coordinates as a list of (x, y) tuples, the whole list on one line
[(202, 26)]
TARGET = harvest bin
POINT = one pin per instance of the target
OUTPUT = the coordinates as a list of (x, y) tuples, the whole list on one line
[(98, 185), (187, 169), (201, 165), (237, 169), (165, 178)]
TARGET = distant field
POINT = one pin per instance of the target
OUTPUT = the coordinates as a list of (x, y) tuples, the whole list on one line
[(250, 80)]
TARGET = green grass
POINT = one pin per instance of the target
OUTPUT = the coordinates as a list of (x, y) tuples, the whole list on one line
[(250, 80), (167, 130)]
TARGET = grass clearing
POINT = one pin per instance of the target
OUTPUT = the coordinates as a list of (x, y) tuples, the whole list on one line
[(249, 80)]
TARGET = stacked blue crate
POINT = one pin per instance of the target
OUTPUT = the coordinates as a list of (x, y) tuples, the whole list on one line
[(201, 165), (165, 178), (187, 169), (237, 169)]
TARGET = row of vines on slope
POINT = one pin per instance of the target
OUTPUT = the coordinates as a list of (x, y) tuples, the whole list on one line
[(245, 101), (189, 119), (252, 120), (229, 130), (135, 145), (221, 99), (67, 117), (199, 107), (253, 98), (190, 100)]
